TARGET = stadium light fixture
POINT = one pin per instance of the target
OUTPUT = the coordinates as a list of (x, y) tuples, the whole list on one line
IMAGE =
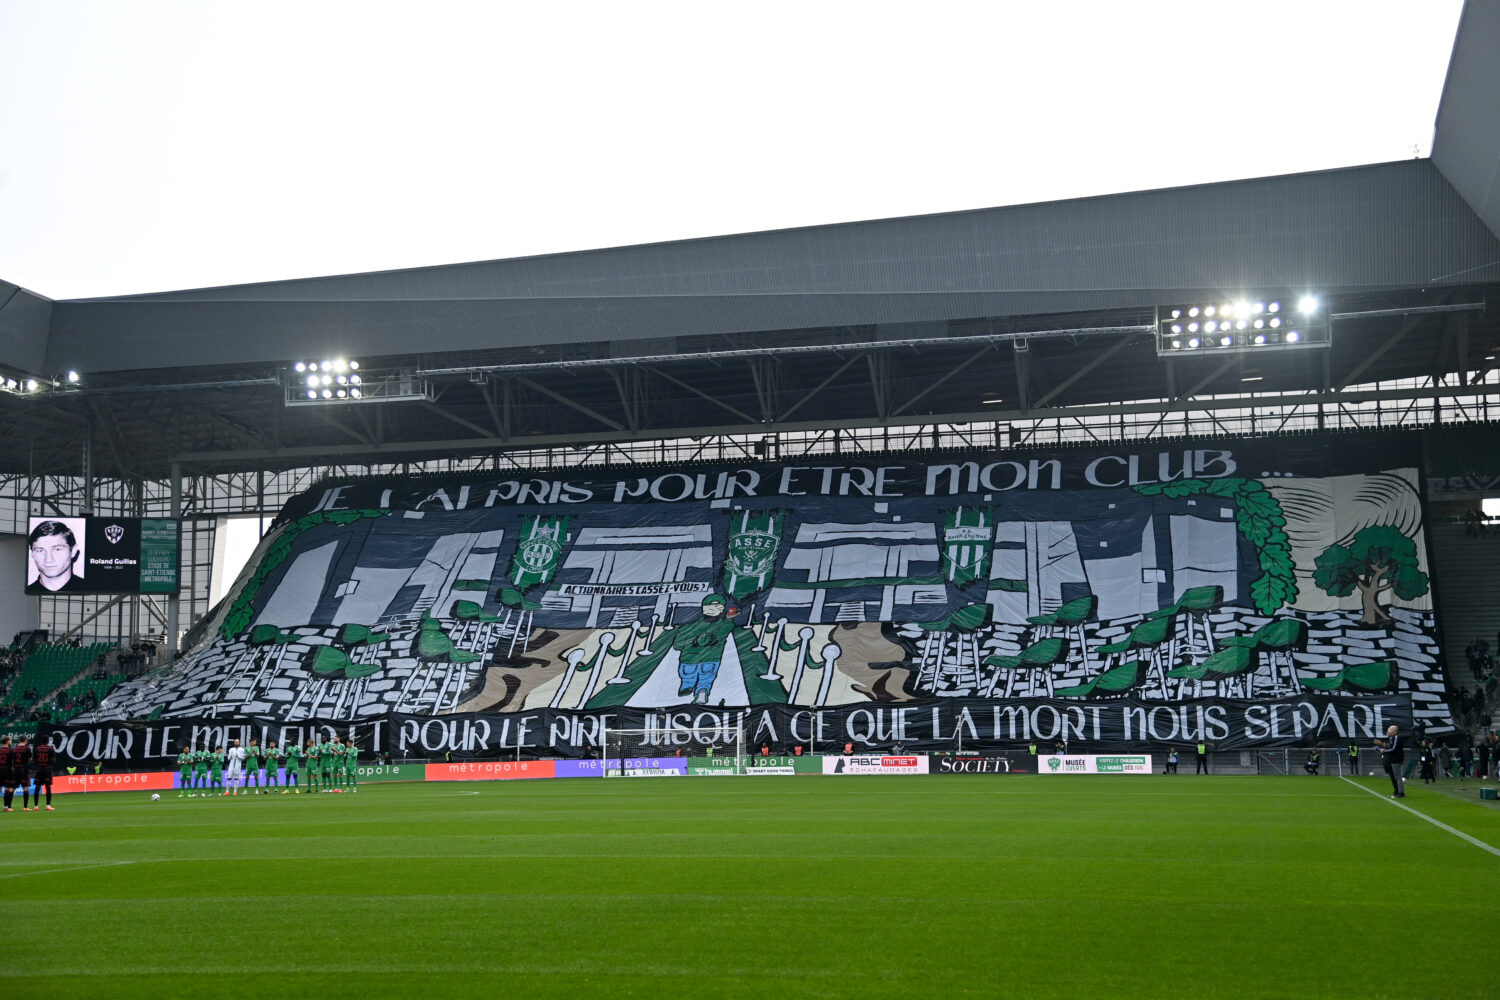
[(73, 377), (334, 381), (25, 385), (1247, 323)]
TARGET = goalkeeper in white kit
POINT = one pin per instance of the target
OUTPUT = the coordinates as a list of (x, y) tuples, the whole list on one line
[(236, 768)]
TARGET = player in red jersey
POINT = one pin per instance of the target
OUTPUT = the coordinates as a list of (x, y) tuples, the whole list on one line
[(45, 757), (20, 770), (7, 776)]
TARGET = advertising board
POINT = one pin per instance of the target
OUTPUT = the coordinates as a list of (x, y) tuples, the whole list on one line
[(1082, 763), (890, 764)]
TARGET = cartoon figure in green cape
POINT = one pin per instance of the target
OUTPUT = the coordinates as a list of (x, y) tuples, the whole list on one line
[(701, 647)]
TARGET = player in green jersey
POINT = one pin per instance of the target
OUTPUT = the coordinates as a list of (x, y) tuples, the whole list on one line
[(274, 757), (293, 768), (332, 752), (336, 765), (216, 770), (252, 768), (313, 755), (184, 771), (330, 762), (333, 757), (351, 765), (200, 771)]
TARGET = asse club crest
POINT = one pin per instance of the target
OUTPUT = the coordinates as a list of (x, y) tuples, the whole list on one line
[(966, 544), (539, 551), (750, 562), (537, 555)]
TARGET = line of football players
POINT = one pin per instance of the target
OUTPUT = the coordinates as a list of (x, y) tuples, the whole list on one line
[(293, 769), (29, 768)]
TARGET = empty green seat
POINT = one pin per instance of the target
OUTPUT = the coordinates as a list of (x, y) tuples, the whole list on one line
[(351, 634), (270, 635), (332, 662), (1116, 680), (1276, 636), (1151, 632), (1231, 661), (435, 644), (965, 619), (1194, 600), (1039, 654), (470, 611), (1073, 613), (513, 598), (1357, 677), (1044, 654)]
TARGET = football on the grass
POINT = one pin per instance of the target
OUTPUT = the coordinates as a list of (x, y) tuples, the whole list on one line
[(155, 797)]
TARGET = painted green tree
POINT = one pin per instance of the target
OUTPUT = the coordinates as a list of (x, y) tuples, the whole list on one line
[(1377, 559), (1261, 523)]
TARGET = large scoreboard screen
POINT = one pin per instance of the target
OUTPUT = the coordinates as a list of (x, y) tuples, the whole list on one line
[(102, 555)]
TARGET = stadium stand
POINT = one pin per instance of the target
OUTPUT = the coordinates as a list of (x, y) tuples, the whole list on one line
[(48, 668)]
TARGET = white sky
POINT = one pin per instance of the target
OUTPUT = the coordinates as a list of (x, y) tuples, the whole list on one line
[(152, 145)]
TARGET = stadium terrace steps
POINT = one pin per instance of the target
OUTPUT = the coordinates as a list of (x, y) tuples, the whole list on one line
[(51, 668)]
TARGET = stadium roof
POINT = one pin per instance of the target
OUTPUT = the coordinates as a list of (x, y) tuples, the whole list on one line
[(893, 321)]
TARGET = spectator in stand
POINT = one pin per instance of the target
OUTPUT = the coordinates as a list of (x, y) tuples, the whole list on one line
[(1483, 770), (1428, 760)]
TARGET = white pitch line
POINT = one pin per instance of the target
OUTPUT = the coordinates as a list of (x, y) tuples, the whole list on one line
[(71, 868), (1437, 823)]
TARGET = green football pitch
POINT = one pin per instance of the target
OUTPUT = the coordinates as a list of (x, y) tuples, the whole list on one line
[(953, 886)]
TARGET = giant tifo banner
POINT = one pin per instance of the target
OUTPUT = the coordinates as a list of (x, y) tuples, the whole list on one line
[(1218, 591)]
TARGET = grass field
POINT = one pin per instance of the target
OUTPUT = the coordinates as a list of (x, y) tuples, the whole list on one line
[(951, 886)]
